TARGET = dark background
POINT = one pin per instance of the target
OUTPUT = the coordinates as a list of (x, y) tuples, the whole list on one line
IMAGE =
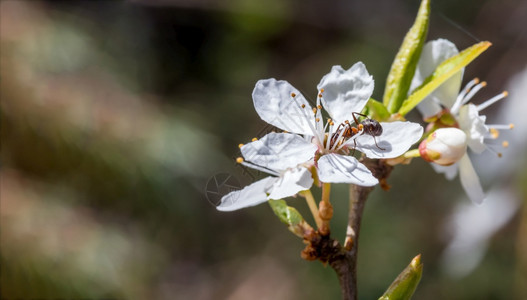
[(115, 115)]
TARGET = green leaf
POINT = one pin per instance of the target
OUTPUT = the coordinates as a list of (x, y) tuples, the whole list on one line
[(288, 215), (405, 62), (403, 287), (442, 73), (376, 110)]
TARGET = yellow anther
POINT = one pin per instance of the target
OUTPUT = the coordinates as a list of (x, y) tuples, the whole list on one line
[(240, 145), (314, 110), (505, 144), (494, 133), (317, 119), (483, 84), (321, 90), (239, 160), (285, 131), (303, 106), (320, 95), (511, 125), (293, 95), (476, 80), (505, 93), (500, 154), (319, 106), (332, 123), (254, 139)]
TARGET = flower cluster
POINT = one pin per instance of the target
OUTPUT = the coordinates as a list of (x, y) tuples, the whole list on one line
[(312, 144)]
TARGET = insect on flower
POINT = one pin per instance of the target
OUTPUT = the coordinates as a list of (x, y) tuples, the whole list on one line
[(368, 126)]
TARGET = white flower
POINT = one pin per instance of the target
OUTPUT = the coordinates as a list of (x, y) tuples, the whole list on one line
[(445, 146), (342, 93), (286, 157), (448, 106)]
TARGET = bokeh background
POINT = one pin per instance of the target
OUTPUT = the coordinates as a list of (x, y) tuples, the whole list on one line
[(116, 115)]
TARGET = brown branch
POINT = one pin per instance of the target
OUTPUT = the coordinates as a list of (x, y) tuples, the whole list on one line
[(343, 259)]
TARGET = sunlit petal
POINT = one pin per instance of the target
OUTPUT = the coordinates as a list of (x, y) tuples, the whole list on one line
[(337, 168)]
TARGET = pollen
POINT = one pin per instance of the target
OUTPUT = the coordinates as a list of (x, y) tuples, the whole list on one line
[(505, 144), (505, 93), (314, 110), (239, 160), (317, 119), (240, 145), (483, 84), (476, 80), (494, 133), (303, 106), (319, 106), (321, 90), (293, 95), (320, 95), (254, 139), (332, 123)]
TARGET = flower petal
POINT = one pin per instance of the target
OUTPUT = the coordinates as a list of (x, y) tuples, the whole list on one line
[(346, 91), (470, 180), (474, 127), (449, 171), (279, 151), (337, 168), (395, 140), (434, 53), (250, 195), (291, 182), (274, 103)]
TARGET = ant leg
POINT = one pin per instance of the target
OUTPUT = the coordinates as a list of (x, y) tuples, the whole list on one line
[(355, 118), (354, 147), (376, 143)]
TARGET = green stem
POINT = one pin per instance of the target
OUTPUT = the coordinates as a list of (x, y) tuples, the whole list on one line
[(312, 207)]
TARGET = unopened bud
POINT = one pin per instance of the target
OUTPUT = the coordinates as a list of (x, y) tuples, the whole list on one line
[(444, 146)]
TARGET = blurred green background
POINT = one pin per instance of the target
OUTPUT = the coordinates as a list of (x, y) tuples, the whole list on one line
[(115, 115)]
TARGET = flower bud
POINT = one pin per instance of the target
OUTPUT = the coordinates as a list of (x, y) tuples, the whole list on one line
[(444, 146)]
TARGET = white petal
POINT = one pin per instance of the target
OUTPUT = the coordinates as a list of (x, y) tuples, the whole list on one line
[(250, 195), (346, 91), (337, 168), (470, 180), (279, 151), (291, 182), (395, 140), (449, 171), (434, 53), (474, 127), (275, 105)]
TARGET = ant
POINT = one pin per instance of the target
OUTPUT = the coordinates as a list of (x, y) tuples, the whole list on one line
[(369, 127)]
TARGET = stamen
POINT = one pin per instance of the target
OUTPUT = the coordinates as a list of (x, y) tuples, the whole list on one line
[(314, 110), (494, 133), (239, 160), (321, 90), (317, 120), (457, 104), (499, 154), (319, 106), (293, 95), (473, 92), (254, 139), (320, 95), (303, 106), (337, 141), (285, 131), (501, 126), (492, 100), (240, 145), (505, 144)]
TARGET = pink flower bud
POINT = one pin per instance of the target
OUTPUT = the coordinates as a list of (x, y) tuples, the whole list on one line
[(444, 146)]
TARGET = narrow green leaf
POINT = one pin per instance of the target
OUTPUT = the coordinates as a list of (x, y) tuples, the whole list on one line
[(442, 73), (403, 287), (376, 110), (288, 215), (405, 62)]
